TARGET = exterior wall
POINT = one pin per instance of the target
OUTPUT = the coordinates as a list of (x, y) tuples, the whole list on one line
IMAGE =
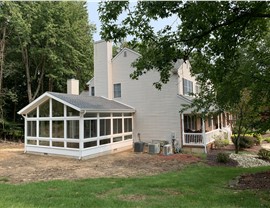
[(157, 112), (103, 69)]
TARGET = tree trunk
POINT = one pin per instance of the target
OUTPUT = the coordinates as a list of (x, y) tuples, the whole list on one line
[(27, 71), (30, 94), (2, 51), (239, 130)]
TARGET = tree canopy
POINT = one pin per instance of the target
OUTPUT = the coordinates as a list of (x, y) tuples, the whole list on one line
[(42, 45), (226, 42)]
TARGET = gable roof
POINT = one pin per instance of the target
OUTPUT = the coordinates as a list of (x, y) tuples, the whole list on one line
[(125, 49), (80, 103)]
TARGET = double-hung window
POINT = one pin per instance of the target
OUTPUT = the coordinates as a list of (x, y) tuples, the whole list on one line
[(187, 87), (92, 91), (117, 90)]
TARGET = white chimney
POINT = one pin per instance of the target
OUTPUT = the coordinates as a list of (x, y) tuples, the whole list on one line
[(103, 69), (73, 86)]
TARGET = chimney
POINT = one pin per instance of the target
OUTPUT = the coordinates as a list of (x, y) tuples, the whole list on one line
[(103, 69), (73, 86)]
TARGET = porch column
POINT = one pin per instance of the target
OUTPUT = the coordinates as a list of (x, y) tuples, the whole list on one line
[(203, 134), (221, 120), (183, 129), (212, 122), (218, 120)]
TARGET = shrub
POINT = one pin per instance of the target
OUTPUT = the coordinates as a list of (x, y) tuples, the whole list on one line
[(223, 157), (267, 139), (218, 143), (264, 154), (245, 141), (259, 138)]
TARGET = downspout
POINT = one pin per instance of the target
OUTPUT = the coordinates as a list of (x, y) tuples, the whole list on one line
[(81, 132)]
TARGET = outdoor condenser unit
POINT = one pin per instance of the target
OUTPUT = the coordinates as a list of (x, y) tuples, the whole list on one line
[(167, 149), (138, 146), (154, 148)]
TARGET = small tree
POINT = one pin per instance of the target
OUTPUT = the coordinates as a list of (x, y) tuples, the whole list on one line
[(247, 115)]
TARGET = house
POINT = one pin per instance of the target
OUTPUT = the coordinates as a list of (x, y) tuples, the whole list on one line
[(157, 114), (118, 111)]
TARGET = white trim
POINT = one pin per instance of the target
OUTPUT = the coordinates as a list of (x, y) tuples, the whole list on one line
[(126, 49), (89, 82), (34, 104), (41, 99)]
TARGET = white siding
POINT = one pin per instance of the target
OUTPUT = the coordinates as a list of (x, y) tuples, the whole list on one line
[(157, 112)]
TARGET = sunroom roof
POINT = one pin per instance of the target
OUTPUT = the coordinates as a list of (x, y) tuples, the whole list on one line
[(91, 103), (80, 103)]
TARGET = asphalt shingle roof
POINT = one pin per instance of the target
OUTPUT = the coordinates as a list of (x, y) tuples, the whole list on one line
[(91, 102)]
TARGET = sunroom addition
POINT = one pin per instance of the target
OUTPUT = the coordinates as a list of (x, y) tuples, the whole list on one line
[(77, 126)]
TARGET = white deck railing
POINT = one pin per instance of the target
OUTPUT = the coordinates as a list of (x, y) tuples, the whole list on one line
[(210, 136), (198, 139), (193, 139)]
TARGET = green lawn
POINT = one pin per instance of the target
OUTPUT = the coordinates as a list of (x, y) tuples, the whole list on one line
[(195, 186)]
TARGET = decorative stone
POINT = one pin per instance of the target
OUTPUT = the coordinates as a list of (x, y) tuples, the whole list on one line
[(248, 160)]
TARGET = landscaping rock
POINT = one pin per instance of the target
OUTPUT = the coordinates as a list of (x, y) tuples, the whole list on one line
[(248, 160)]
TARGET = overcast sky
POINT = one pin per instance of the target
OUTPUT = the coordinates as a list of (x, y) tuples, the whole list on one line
[(93, 18)]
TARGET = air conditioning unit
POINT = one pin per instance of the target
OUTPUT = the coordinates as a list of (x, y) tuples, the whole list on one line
[(138, 146), (154, 148), (167, 149)]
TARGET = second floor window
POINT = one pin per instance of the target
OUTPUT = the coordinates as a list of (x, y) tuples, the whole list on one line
[(92, 91), (117, 90), (187, 87)]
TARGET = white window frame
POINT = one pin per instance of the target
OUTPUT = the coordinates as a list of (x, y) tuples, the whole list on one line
[(187, 87)]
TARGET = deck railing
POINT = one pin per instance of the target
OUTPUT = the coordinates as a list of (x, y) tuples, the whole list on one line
[(211, 135), (198, 139), (193, 139)]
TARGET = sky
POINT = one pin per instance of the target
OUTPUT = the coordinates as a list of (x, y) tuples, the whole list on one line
[(93, 18), (92, 7)]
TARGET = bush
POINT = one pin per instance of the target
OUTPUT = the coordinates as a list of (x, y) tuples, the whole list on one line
[(223, 157), (259, 138), (246, 141), (264, 154), (267, 139), (218, 143)]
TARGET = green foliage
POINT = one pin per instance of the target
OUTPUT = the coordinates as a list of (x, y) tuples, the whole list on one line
[(223, 157), (245, 141), (228, 46), (264, 154), (218, 143), (267, 139), (46, 44), (189, 187), (259, 138)]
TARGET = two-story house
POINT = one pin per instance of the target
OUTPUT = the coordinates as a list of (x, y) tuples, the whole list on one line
[(118, 111)]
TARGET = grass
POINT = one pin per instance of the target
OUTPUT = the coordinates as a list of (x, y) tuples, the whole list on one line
[(195, 186)]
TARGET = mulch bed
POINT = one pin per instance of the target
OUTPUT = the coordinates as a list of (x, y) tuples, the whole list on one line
[(212, 157), (260, 180)]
